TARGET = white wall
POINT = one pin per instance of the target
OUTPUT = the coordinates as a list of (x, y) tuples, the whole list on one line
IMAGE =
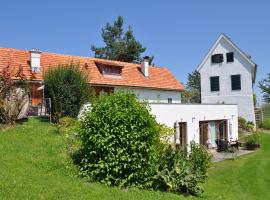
[(243, 97), (156, 96), (192, 114)]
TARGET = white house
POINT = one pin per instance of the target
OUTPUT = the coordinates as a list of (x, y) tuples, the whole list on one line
[(228, 76)]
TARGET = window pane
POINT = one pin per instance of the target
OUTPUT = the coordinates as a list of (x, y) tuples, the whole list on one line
[(236, 82), (230, 57), (217, 58), (214, 83)]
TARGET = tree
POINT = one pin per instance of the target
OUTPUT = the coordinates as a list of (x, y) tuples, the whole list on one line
[(68, 89), (264, 85), (193, 88), (119, 45)]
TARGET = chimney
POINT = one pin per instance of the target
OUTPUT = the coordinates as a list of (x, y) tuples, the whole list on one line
[(145, 66), (35, 60)]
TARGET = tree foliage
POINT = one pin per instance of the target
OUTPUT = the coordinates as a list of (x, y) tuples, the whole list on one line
[(67, 86), (118, 141), (193, 88), (119, 45), (13, 94), (265, 88)]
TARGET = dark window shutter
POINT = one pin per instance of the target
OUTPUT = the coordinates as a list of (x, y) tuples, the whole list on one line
[(230, 57), (214, 83), (217, 58), (236, 82)]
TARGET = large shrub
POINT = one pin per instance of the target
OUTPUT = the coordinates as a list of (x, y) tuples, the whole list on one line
[(68, 89), (179, 171), (13, 95), (118, 141)]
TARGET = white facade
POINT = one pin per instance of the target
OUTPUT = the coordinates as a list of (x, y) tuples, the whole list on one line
[(156, 96), (193, 114), (242, 65)]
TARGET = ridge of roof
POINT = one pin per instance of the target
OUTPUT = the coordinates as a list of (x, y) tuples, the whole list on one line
[(83, 57)]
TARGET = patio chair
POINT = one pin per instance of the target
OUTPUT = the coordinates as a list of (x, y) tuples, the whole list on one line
[(222, 145)]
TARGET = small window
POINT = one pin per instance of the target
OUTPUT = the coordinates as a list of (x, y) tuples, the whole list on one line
[(214, 83), (109, 69), (169, 100), (217, 58), (236, 82), (230, 57)]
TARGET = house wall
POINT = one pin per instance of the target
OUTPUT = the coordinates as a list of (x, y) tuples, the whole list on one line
[(156, 96), (192, 114), (243, 97)]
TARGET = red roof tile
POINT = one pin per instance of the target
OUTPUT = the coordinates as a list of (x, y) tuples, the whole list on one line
[(159, 78)]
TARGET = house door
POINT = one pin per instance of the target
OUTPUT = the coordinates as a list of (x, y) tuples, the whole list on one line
[(203, 132), (183, 133)]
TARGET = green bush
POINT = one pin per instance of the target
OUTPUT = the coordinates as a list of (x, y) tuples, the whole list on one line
[(68, 89), (68, 127), (249, 126), (179, 172), (242, 123), (265, 124), (119, 138), (165, 132), (253, 139)]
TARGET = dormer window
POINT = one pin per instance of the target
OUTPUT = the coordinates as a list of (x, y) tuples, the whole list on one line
[(230, 57), (217, 58), (110, 70)]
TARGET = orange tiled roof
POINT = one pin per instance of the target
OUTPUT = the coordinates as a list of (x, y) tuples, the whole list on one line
[(159, 78)]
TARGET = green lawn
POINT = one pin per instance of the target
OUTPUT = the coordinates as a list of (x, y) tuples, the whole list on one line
[(34, 165)]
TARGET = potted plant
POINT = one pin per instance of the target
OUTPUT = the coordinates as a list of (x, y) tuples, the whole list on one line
[(252, 141)]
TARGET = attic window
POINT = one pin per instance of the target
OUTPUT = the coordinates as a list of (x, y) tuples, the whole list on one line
[(230, 57), (217, 58), (110, 69)]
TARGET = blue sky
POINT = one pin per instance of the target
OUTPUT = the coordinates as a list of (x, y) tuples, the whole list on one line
[(178, 33)]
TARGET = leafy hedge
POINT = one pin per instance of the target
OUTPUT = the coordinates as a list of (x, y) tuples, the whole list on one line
[(118, 141)]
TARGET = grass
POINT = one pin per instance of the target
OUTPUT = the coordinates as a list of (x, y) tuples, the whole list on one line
[(247, 177), (34, 165)]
